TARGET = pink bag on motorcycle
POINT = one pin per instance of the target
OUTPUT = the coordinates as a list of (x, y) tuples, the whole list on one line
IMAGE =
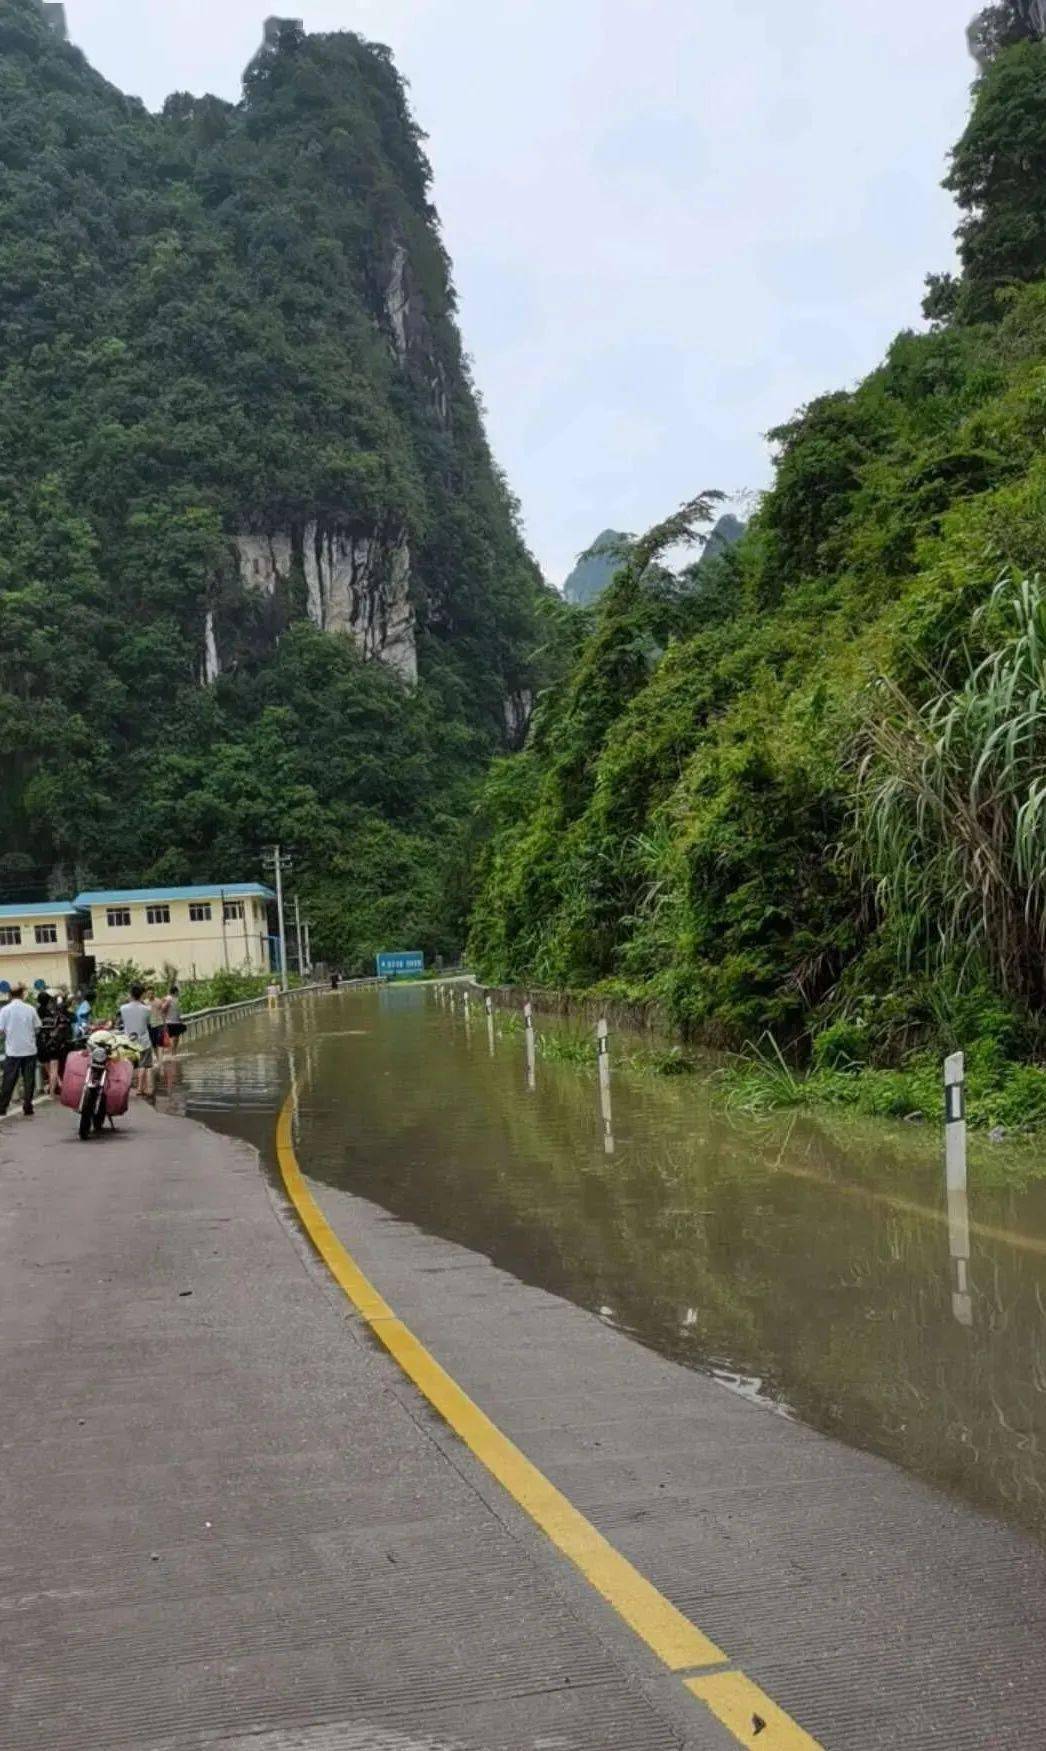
[(120, 1075)]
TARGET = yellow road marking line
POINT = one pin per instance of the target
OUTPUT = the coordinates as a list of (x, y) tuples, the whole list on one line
[(749, 1713), (672, 1637)]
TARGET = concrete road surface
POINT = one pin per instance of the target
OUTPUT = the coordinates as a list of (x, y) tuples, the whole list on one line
[(227, 1519), (231, 1521)]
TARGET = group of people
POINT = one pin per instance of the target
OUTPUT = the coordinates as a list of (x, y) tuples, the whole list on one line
[(37, 1038), (151, 1022)]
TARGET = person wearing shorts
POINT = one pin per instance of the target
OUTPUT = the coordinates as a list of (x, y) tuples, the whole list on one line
[(172, 1010), (134, 1020), (157, 1023)]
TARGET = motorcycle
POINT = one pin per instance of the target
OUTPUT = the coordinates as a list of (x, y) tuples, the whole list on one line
[(97, 1081), (93, 1103)]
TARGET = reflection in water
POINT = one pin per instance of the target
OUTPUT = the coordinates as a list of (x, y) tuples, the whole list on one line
[(959, 1247), (815, 1265)]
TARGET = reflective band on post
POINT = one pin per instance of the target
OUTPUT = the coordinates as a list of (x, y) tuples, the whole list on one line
[(955, 1088)]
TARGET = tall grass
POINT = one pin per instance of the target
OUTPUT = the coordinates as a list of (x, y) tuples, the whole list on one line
[(951, 812)]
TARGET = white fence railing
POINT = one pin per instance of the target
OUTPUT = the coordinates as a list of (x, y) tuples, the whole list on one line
[(204, 1021)]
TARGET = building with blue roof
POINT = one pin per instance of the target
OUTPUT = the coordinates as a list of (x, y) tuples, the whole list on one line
[(41, 944), (175, 932), (180, 932)]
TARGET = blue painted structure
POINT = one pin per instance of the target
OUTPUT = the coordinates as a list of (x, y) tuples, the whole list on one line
[(404, 964), (41, 909), (202, 891)]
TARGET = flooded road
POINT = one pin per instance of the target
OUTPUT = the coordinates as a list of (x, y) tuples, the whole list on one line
[(813, 1264)]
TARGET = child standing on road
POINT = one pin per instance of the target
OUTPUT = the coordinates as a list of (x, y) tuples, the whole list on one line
[(55, 1037)]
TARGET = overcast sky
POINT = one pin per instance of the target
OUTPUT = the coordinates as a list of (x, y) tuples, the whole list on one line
[(672, 221)]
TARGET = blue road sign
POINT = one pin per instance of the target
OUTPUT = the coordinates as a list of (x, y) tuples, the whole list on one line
[(402, 965)]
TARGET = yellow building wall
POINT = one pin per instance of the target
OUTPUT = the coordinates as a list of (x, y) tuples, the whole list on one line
[(195, 948), (54, 962)]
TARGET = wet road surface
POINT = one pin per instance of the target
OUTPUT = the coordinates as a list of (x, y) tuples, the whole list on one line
[(814, 1266)]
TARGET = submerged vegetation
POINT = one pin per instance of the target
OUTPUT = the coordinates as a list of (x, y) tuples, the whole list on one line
[(798, 795), (1002, 1096)]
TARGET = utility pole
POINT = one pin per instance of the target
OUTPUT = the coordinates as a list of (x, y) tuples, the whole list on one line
[(225, 939), (308, 946), (275, 861), (297, 933)]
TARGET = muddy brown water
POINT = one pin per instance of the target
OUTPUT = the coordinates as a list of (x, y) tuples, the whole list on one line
[(814, 1264)]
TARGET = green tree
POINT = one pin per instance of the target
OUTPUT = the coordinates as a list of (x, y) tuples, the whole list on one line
[(998, 177)]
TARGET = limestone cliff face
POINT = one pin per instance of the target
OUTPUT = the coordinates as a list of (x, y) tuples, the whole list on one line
[(410, 331), (519, 709), (350, 581), (353, 479), (1002, 23)]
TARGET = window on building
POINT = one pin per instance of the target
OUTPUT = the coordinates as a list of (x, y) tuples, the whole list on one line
[(10, 936), (233, 910), (200, 911), (88, 929), (158, 915), (118, 917), (46, 933)]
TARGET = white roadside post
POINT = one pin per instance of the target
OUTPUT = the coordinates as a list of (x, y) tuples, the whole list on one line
[(284, 982), (955, 1121), (955, 1174), (466, 1000), (605, 1106), (528, 1031), (489, 1005)]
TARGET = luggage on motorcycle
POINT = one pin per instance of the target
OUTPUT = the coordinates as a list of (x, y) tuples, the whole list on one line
[(118, 1086)]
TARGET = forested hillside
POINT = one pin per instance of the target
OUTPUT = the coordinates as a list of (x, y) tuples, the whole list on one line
[(809, 795), (245, 494)]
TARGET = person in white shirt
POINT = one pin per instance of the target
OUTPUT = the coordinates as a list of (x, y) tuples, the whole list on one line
[(19, 1027)]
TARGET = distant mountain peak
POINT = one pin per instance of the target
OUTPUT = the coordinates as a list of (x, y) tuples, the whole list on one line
[(598, 563), (595, 568)]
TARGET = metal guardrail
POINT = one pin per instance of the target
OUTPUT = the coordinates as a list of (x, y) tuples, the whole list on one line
[(206, 1020)]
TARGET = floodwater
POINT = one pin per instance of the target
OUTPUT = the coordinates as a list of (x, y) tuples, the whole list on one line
[(818, 1266)]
